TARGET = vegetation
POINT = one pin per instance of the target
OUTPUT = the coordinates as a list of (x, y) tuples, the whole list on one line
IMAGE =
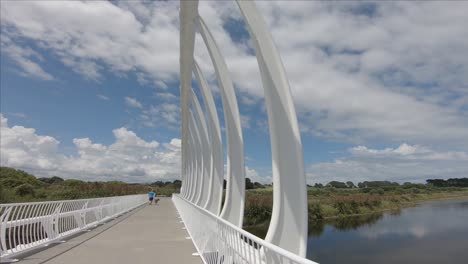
[(19, 186), (329, 203), (462, 182), (337, 201)]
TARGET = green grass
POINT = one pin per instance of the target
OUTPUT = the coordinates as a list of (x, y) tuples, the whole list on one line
[(330, 203)]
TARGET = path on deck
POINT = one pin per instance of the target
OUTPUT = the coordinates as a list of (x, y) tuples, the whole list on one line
[(152, 234)]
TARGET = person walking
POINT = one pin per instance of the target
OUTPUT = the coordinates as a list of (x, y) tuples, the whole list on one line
[(151, 195)]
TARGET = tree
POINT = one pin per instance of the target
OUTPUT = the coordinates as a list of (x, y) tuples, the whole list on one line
[(24, 189), (452, 182), (337, 184), (350, 184), (258, 185), (177, 183), (318, 185), (52, 180), (248, 184), (11, 178)]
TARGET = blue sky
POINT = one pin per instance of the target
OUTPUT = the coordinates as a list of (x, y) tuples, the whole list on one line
[(90, 89)]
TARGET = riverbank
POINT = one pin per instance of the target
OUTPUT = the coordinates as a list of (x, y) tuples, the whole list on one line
[(330, 204)]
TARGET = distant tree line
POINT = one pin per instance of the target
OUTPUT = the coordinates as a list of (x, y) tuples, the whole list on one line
[(455, 182), (20, 186)]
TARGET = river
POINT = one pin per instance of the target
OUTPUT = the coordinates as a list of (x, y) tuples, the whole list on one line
[(432, 232)]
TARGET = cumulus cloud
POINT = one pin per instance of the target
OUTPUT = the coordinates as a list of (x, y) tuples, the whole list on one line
[(254, 176), (132, 102), (386, 72), (129, 158), (402, 163), (391, 71)]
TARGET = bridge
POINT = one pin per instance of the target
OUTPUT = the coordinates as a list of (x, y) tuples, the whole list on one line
[(201, 219)]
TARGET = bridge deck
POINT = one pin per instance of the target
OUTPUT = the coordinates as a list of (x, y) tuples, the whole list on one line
[(153, 234)]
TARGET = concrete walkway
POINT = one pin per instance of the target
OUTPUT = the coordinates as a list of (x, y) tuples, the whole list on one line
[(153, 234)]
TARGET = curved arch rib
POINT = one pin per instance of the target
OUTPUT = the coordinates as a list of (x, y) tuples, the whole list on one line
[(205, 148), (233, 210), (198, 160), (193, 174), (288, 226), (215, 192), (188, 14)]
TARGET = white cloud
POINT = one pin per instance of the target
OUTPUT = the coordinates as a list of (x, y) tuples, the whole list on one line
[(357, 77), (245, 121), (103, 97), (165, 114), (129, 158), (132, 102), (403, 163), (85, 34), (253, 175), (394, 73), (166, 96), (23, 58)]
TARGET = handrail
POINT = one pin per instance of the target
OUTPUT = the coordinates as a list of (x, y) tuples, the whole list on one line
[(26, 226), (219, 241)]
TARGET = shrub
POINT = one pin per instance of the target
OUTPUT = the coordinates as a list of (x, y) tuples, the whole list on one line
[(24, 189), (2, 195), (258, 208), (365, 190), (377, 191), (315, 212)]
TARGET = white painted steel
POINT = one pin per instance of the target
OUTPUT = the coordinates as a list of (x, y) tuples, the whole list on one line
[(288, 225), (233, 209), (26, 226), (189, 177), (198, 159), (215, 192), (205, 151), (188, 15), (219, 241), (193, 157)]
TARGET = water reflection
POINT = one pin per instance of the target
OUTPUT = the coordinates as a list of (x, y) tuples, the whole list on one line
[(434, 232), (317, 228)]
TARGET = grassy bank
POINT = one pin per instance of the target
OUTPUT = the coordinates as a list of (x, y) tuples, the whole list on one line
[(325, 204)]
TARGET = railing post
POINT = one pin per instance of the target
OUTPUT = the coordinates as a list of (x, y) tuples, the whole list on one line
[(3, 220)]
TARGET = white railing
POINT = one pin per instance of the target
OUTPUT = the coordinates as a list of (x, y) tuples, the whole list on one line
[(25, 226), (218, 241)]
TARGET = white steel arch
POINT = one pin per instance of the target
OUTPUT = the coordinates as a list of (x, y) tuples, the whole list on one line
[(203, 173), (217, 165), (188, 14), (233, 209), (198, 160), (205, 151), (191, 158), (288, 225)]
